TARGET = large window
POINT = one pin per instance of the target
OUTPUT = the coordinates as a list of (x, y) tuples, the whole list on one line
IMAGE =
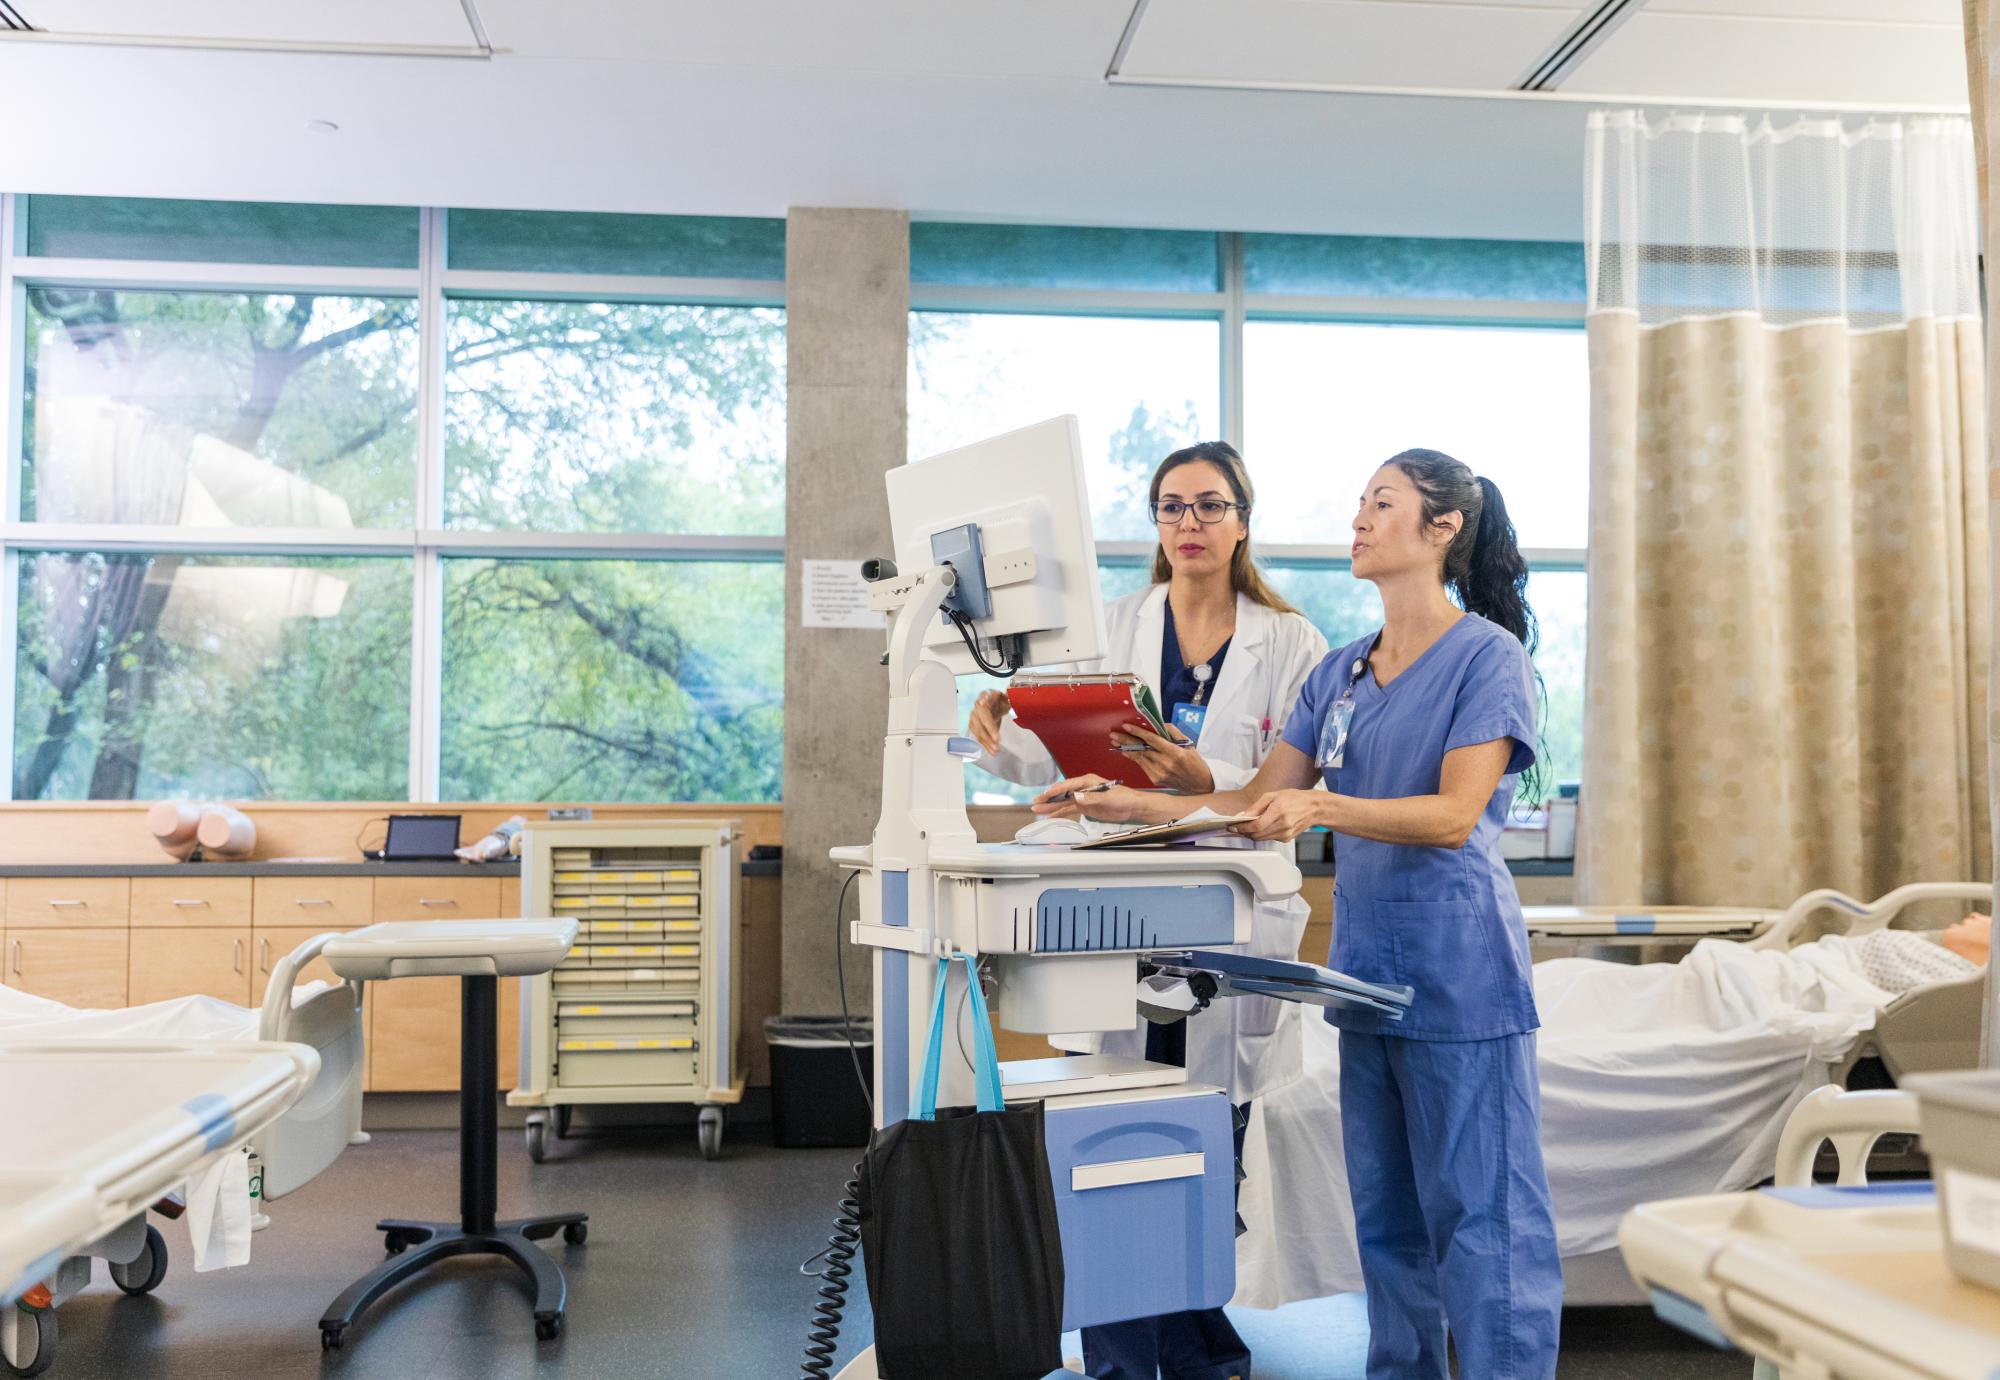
[(1326, 402), (1139, 387), (1324, 355), (615, 680), (140, 676), (199, 409), (268, 537)]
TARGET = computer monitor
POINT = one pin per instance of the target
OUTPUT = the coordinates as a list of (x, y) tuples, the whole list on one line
[(1024, 491)]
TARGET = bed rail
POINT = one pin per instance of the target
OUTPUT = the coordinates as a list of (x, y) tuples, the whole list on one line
[(1853, 1121), (1863, 917)]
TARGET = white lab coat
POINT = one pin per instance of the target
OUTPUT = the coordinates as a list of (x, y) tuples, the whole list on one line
[(1248, 1045)]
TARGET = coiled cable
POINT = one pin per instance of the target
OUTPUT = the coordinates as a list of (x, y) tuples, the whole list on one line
[(823, 1339), (831, 1307)]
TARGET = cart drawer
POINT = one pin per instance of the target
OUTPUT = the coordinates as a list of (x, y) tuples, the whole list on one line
[(625, 1061)]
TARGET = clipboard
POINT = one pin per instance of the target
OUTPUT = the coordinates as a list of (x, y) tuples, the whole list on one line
[(1164, 833), (1075, 716)]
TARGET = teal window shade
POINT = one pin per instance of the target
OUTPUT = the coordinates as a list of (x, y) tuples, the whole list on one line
[(1375, 266), (661, 246), (1050, 256), (244, 232)]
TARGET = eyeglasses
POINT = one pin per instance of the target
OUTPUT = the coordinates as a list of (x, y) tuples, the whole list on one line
[(1168, 512)]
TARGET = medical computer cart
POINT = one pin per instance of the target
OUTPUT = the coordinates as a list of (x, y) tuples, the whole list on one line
[(643, 1010)]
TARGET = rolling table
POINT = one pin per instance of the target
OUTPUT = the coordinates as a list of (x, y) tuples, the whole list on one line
[(479, 953)]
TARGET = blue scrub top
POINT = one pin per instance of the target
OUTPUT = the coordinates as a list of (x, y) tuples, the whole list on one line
[(1445, 921)]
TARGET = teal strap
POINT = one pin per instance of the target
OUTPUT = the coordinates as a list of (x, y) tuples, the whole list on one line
[(985, 1057), (923, 1097)]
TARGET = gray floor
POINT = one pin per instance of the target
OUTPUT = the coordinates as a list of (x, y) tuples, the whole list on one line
[(691, 1270)]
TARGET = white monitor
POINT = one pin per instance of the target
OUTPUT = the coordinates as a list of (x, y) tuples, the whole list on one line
[(1025, 492)]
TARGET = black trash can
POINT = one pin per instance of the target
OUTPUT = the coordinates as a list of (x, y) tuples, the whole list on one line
[(815, 1101)]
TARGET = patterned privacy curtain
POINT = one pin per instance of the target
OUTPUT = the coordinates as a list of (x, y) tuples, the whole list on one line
[(1788, 629)]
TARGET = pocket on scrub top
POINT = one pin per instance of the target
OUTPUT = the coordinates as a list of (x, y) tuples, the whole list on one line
[(1434, 942)]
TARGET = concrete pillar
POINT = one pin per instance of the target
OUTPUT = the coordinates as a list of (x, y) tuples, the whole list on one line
[(847, 327)]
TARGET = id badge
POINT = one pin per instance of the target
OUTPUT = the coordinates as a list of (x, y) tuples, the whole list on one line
[(1333, 734), (1188, 719)]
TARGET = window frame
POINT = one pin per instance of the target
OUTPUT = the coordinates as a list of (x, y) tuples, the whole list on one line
[(428, 543)]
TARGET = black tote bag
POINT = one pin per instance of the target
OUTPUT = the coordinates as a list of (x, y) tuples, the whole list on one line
[(958, 1228)]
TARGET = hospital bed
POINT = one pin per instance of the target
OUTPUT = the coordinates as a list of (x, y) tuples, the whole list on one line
[(141, 1117), (1927, 1029), (1725, 1095)]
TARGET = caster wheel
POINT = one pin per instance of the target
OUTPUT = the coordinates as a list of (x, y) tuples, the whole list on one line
[(576, 1233), (35, 1340), (548, 1329), (562, 1122), (395, 1243), (330, 1338), (142, 1275), (537, 1132), (708, 1131)]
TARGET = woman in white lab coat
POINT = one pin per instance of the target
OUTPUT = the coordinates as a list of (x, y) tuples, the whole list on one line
[(1225, 657)]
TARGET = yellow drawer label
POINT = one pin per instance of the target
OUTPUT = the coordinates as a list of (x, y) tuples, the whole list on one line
[(593, 1046), (682, 874), (681, 950), (573, 902)]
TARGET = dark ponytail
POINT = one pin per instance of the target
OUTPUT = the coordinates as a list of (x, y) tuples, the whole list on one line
[(1483, 567)]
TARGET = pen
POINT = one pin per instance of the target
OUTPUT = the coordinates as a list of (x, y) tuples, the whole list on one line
[(1087, 790), (1266, 731)]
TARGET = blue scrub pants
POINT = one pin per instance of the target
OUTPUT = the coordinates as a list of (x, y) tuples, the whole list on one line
[(1451, 1206)]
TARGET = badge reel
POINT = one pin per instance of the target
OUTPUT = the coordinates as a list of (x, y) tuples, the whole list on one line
[(1333, 735), (1188, 717)]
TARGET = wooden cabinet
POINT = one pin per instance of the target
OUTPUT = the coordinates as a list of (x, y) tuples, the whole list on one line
[(82, 967), (269, 943), (110, 941), (189, 961), (413, 1024), (68, 903), (318, 903), (197, 902)]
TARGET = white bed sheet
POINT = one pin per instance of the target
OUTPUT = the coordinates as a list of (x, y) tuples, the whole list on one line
[(1658, 1081), (24, 1016)]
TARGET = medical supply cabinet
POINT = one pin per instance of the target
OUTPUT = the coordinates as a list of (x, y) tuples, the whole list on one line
[(643, 1010)]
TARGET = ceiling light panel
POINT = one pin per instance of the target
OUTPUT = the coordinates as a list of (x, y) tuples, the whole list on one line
[(1346, 42), (348, 23)]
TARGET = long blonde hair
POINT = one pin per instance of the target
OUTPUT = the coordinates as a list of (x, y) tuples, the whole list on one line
[(1244, 576)]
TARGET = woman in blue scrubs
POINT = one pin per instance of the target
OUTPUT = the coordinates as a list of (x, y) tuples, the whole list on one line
[(1419, 732)]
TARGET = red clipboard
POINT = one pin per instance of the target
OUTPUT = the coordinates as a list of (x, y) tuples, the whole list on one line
[(1075, 716)]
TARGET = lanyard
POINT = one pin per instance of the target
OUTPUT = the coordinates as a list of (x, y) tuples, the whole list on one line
[(1339, 719)]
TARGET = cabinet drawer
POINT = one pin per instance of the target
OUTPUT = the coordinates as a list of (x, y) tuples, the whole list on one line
[(269, 943), (203, 902), (327, 903), (68, 902), (437, 898), (76, 967), (189, 962)]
